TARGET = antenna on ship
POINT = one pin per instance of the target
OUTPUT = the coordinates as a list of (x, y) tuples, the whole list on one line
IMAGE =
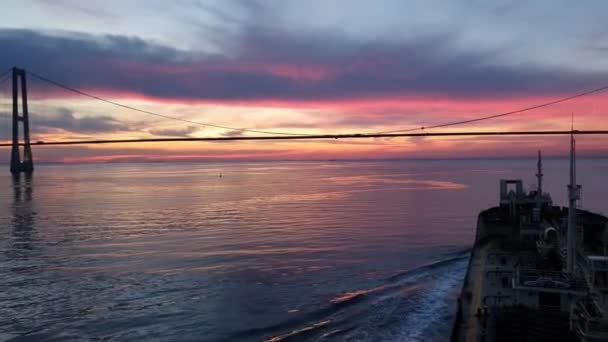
[(573, 196)]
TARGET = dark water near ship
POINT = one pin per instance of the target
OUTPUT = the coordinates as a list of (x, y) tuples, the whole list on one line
[(360, 251)]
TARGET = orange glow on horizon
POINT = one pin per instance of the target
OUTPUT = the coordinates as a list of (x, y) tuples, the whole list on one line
[(357, 115)]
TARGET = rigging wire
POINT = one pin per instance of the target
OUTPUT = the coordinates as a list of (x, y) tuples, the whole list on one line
[(60, 85)]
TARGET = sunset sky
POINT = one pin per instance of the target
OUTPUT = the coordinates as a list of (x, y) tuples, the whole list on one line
[(315, 66)]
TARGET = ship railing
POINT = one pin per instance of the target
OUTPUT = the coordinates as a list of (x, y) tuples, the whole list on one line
[(597, 262), (595, 270), (528, 278), (497, 300)]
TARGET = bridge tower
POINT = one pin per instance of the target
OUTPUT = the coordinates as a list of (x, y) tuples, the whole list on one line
[(17, 164)]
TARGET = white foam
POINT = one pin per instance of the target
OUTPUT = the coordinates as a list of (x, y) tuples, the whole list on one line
[(431, 306)]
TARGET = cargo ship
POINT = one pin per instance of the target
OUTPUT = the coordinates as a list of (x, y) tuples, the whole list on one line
[(537, 272)]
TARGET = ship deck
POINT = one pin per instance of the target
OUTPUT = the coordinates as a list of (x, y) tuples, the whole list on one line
[(475, 318), (486, 304)]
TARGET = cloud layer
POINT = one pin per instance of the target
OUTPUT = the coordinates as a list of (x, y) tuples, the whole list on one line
[(341, 66), (259, 65)]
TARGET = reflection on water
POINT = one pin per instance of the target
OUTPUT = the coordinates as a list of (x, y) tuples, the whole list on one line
[(23, 230), (339, 251), (395, 180)]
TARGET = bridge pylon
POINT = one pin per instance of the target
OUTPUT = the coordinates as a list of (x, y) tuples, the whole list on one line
[(17, 164)]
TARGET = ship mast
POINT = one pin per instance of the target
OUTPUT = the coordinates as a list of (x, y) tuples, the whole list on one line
[(573, 196)]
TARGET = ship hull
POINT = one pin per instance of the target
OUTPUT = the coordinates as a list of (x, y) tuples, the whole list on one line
[(495, 304)]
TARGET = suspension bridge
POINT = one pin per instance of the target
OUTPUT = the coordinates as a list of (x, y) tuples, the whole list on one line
[(26, 164)]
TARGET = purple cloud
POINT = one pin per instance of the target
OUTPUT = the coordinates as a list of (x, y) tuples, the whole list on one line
[(262, 65)]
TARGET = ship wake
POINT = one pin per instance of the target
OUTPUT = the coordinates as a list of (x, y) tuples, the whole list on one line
[(416, 305)]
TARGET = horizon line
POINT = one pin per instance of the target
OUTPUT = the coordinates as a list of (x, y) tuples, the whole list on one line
[(135, 160)]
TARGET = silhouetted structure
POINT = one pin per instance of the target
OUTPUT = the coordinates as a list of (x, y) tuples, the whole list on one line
[(27, 164), (537, 272)]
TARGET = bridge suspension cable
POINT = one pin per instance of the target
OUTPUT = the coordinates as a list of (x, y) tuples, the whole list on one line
[(60, 85), (546, 104), (6, 73), (4, 77), (316, 137), (369, 134)]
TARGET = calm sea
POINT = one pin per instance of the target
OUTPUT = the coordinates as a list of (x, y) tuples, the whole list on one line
[(298, 251)]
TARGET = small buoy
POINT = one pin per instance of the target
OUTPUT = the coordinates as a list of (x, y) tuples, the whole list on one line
[(220, 175)]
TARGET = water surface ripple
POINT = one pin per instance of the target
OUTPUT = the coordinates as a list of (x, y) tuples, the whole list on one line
[(269, 251)]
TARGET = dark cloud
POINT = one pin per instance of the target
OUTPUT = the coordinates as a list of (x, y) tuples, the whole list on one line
[(176, 132), (65, 120), (261, 64)]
